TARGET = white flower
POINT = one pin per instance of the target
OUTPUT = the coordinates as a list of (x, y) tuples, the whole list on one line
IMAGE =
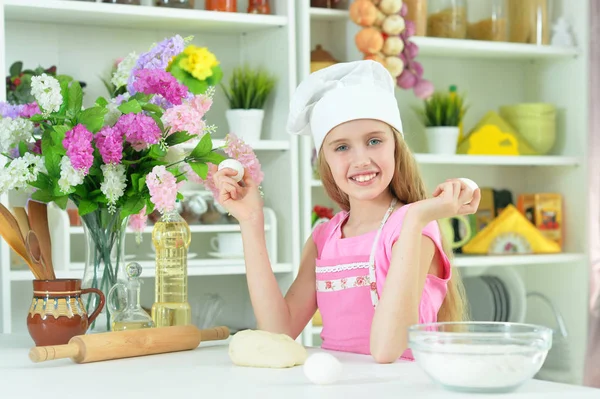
[(20, 172), (69, 176), (121, 75), (46, 90), (113, 186), (113, 114), (14, 130)]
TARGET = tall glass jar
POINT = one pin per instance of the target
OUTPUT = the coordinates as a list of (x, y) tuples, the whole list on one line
[(447, 18), (187, 4), (488, 20), (221, 5), (417, 13), (529, 21)]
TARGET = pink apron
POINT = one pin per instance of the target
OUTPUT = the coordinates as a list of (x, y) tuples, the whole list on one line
[(347, 296)]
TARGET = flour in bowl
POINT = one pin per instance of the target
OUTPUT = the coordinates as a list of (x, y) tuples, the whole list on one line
[(483, 366)]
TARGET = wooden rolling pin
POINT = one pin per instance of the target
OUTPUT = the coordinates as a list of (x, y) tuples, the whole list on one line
[(129, 343)]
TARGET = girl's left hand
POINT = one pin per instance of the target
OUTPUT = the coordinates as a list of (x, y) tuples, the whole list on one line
[(451, 198)]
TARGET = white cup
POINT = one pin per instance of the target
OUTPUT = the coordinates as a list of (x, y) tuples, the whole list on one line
[(227, 243)]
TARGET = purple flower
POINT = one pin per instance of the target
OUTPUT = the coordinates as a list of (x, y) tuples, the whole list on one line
[(10, 111), (154, 81), (139, 130), (109, 142), (158, 57), (78, 143)]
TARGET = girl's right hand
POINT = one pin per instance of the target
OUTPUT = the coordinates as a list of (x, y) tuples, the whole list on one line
[(241, 199)]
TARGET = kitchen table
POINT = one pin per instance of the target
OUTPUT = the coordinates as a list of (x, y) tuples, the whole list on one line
[(207, 373)]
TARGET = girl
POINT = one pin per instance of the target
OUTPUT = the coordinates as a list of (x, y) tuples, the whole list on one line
[(379, 265)]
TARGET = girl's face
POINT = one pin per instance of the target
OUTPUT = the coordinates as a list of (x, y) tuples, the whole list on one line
[(360, 155)]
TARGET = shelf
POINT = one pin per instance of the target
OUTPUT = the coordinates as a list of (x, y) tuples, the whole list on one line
[(496, 160), (462, 48), (516, 260), (262, 145), (194, 228), (328, 14), (196, 267), (137, 17)]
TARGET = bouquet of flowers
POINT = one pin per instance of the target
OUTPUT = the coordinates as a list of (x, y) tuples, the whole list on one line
[(114, 160)]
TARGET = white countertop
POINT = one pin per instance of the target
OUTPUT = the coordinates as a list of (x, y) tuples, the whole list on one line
[(207, 370)]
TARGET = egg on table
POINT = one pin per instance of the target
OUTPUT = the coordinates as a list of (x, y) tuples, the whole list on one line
[(322, 368), (235, 165)]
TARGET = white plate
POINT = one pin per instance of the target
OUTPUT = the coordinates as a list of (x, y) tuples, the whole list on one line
[(226, 256), (515, 287)]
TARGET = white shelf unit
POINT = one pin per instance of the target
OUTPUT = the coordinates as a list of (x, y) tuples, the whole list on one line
[(82, 39), (491, 74)]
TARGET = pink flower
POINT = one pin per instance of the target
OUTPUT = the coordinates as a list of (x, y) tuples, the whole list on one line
[(156, 81), (29, 110), (139, 130), (138, 222), (78, 143), (163, 188), (188, 116), (109, 142), (237, 149)]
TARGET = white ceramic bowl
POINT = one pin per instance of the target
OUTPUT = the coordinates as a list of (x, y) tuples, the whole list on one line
[(480, 356)]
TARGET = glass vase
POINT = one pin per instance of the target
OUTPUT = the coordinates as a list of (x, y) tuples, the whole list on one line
[(104, 259)]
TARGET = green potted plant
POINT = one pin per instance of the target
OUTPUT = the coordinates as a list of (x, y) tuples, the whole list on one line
[(442, 116), (247, 94)]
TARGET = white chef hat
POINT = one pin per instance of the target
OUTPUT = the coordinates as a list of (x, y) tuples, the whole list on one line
[(341, 93)]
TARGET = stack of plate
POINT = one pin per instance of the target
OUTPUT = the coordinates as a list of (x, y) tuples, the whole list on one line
[(496, 295)]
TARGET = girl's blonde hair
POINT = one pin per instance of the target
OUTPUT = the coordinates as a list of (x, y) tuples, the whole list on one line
[(407, 185)]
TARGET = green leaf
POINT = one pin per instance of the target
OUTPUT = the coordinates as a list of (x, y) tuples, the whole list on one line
[(180, 196), (23, 149), (62, 201), (158, 121), (178, 138), (149, 207), (201, 169), (156, 151), (194, 85), (101, 102), (36, 118), (203, 148), (133, 206), (135, 177), (178, 72), (130, 107), (142, 184), (43, 182), (75, 98), (64, 81), (93, 118), (42, 196), (152, 108), (52, 161), (141, 97), (213, 157), (87, 206), (16, 68)]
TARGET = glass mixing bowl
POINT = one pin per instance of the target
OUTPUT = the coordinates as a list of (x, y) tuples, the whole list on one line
[(480, 356)]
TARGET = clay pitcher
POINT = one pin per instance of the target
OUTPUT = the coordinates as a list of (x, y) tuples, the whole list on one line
[(57, 312)]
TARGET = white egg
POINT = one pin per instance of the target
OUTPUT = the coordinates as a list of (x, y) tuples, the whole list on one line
[(472, 185), (235, 165), (322, 368)]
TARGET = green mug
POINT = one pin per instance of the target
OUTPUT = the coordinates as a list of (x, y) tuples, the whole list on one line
[(448, 231)]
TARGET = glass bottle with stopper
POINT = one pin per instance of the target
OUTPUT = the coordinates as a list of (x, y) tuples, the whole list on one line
[(125, 305)]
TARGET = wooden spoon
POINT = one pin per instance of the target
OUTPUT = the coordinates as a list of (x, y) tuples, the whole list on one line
[(35, 253), (21, 218), (38, 220), (10, 231)]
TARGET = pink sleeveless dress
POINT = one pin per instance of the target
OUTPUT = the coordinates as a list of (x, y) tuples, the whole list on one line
[(350, 275)]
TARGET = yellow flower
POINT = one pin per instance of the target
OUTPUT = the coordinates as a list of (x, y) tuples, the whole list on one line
[(199, 62)]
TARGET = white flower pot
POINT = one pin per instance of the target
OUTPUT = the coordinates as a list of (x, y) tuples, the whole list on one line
[(245, 123), (442, 139)]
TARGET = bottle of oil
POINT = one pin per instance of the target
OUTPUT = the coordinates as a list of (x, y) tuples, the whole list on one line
[(171, 238), (127, 312)]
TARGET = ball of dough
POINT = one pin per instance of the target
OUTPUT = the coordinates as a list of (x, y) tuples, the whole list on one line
[(256, 348), (322, 368), (235, 165)]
